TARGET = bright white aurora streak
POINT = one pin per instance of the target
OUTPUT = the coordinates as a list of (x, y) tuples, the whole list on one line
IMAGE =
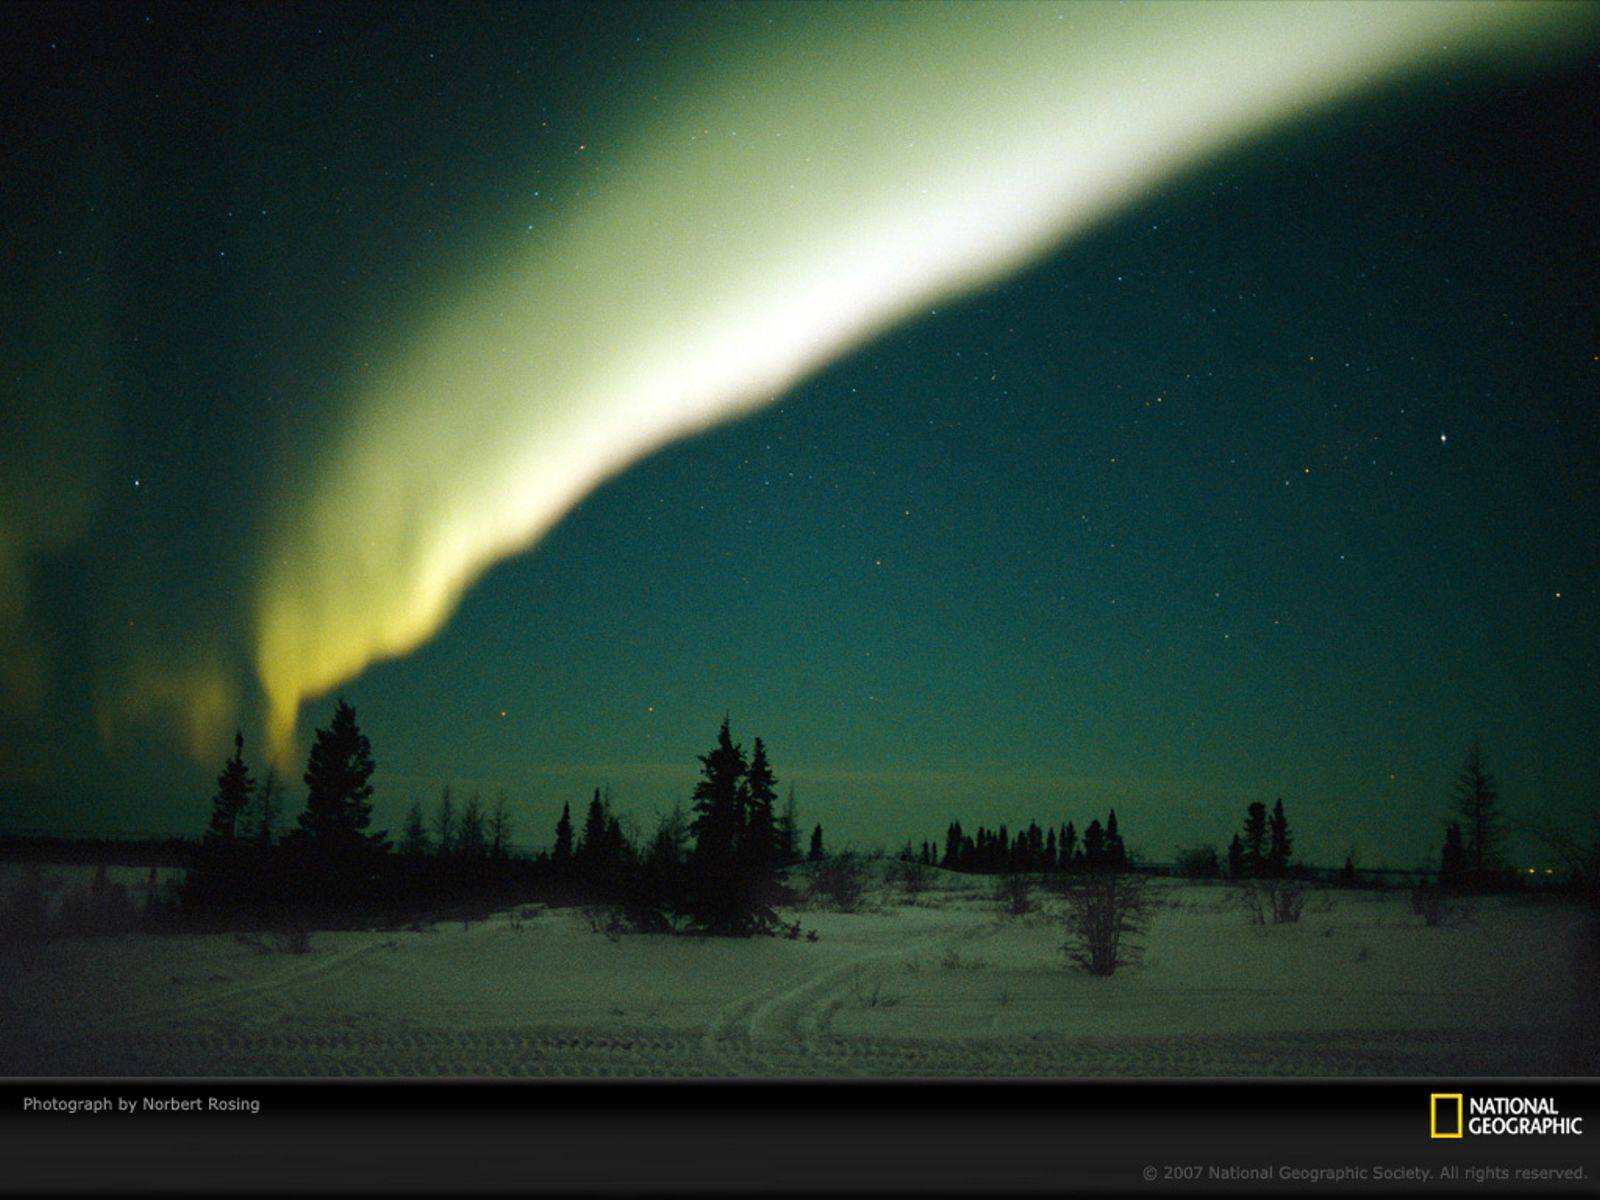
[(818, 180)]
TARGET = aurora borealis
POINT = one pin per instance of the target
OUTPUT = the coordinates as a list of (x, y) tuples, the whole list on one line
[(321, 316)]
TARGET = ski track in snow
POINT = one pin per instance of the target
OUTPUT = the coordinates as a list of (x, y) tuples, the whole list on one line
[(778, 1033), (782, 1031)]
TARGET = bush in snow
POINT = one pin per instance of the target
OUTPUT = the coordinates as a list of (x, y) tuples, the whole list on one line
[(1278, 901), (1106, 911), (1014, 894), (840, 880)]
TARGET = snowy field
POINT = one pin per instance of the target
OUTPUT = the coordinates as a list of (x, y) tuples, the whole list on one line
[(935, 985)]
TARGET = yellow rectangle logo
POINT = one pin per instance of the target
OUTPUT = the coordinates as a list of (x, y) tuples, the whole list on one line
[(1451, 1124)]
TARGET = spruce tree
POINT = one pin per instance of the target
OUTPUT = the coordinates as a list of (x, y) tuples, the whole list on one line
[(561, 855), (952, 845), (267, 806), (816, 854), (1280, 845), (414, 841), (661, 883), (338, 778), (471, 838), (759, 854), (1116, 853), (589, 859), (718, 904), (1476, 799), (234, 791), (1236, 858), (1094, 845), (1255, 839), (789, 832), (618, 856), (332, 839)]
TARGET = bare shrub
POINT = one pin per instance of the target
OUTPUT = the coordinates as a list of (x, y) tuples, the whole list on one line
[(1014, 894), (1427, 903), (840, 881), (1287, 900), (603, 919), (1106, 911), (911, 876), (1278, 901)]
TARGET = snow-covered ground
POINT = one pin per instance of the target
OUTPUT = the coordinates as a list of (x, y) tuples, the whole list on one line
[(936, 986)]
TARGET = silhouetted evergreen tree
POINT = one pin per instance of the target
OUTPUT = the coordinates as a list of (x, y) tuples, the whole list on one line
[(471, 839), (1476, 799), (816, 853), (223, 871), (789, 832), (759, 853), (1050, 851), (414, 841), (332, 843), (593, 857), (561, 854), (1236, 858), (952, 845), (1280, 846), (618, 855), (662, 887), (234, 791), (1116, 853), (267, 806), (1254, 861), (716, 901), (1347, 873), (1094, 845), (1068, 847)]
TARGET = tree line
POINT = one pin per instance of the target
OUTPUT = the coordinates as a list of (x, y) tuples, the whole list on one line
[(1031, 850), (718, 868)]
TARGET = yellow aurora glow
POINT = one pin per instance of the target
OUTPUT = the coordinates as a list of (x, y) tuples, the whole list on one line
[(817, 180)]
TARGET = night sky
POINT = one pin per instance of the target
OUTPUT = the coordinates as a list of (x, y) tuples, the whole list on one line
[(357, 351)]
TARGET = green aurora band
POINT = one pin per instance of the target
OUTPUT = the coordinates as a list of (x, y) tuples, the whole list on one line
[(819, 174)]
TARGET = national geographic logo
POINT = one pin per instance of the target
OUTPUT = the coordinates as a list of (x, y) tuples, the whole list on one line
[(1454, 1115)]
